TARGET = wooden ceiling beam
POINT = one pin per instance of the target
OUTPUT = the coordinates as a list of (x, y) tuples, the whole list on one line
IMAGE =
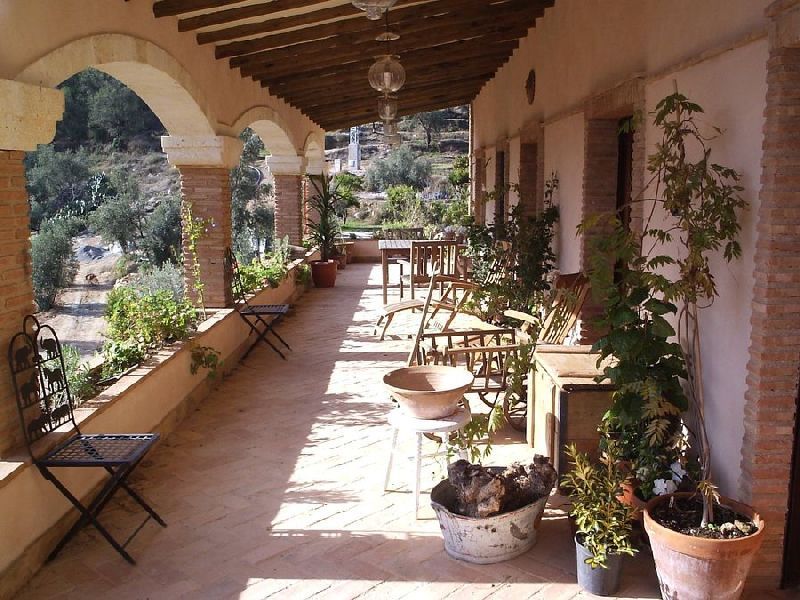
[(358, 81), (427, 42), (334, 13), (341, 103), (399, 16), (171, 8), (362, 89), (444, 24), (424, 56), (410, 97), (230, 15)]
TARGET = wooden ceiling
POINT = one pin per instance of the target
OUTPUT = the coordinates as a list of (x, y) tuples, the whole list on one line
[(315, 54)]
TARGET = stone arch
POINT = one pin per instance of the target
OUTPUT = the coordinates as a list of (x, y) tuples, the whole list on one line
[(155, 75), (314, 153), (270, 127)]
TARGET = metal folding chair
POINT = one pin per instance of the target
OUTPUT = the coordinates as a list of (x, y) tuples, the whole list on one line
[(267, 315), (45, 404)]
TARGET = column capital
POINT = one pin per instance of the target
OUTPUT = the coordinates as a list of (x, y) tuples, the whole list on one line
[(315, 165), (29, 114), (285, 165), (202, 151), (779, 6)]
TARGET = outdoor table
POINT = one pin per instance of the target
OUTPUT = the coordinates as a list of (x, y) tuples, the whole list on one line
[(401, 248), (565, 403)]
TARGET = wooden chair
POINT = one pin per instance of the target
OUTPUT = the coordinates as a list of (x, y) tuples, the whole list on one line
[(401, 233), (264, 315), (45, 404), (428, 257)]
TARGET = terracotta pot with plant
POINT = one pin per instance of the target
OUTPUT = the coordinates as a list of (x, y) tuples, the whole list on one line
[(603, 524), (323, 228), (703, 544)]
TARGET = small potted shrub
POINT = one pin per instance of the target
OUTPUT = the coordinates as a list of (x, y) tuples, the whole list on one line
[(603, 523), (324, 230)]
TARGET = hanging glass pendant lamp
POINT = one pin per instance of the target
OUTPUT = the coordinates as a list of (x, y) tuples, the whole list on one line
[(387, 107), (374, 8), (389, 128), (387, 75)]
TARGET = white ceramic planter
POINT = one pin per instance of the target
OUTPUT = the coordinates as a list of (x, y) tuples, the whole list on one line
[(489, 539)]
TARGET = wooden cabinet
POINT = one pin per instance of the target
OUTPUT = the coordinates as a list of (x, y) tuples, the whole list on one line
[(565, 403)]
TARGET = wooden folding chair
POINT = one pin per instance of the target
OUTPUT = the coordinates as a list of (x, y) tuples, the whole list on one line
[(266, 315), (45, 404), (401, 233), (428, 257)]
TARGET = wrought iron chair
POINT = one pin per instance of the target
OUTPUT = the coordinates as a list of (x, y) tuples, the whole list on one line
[(268, 315), (45, 404)]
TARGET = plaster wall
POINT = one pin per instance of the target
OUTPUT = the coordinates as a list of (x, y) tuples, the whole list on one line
[(563, 142), (582, 47), (731, 88), (46, 42), (716, 51)]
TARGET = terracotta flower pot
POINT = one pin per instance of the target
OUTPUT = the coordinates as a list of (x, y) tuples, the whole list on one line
[(323, 273), (693, 568)]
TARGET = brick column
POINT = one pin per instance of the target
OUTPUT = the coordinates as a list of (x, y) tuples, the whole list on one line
[(205, 164), (288, 174), (477, 205), (528, 179), (28, 116), (599, 197), (772, 371)]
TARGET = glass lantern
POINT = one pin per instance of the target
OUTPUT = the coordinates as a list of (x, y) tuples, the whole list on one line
[(387, 107), (374, 8), (387, 75), (389, 128)]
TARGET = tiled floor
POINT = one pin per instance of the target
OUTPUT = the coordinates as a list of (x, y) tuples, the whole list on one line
[(273, 488)]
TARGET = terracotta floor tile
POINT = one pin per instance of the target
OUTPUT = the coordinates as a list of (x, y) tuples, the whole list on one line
[(273, 487)]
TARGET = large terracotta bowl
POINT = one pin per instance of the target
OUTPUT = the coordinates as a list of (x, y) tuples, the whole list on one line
[(428, 392)]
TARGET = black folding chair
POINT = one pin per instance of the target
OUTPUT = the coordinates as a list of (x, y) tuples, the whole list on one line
[(45, 404), (268, 315)]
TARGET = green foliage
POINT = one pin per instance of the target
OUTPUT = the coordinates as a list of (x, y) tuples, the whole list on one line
[(604, 523), (347, 185), (479, 429), (403, 208), (519, 268), (167, 277), (53, 261), (432, 123), (252, 202), (400, 167), (141, 323), (323, 224), (648, 366), (303, 274), (194, 230), (205, 357), (272, 270), (162, 233), (82, 383), (459, 174), (57, 183), (121, 217)]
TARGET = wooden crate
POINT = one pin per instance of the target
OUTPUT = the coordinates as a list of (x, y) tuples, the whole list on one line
[(565, 403)]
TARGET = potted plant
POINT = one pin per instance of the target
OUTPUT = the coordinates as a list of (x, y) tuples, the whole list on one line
[(491, 514), (323, 228), (603, 524)]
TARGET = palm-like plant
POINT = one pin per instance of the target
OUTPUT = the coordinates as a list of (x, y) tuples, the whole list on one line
[(325, 229)]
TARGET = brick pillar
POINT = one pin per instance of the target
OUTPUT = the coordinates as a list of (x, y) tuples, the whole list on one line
[(478, 206), (205, 164), (599, 197), (208, 191), (288, 174), (772, 371), (528, 179), (28, 116)]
